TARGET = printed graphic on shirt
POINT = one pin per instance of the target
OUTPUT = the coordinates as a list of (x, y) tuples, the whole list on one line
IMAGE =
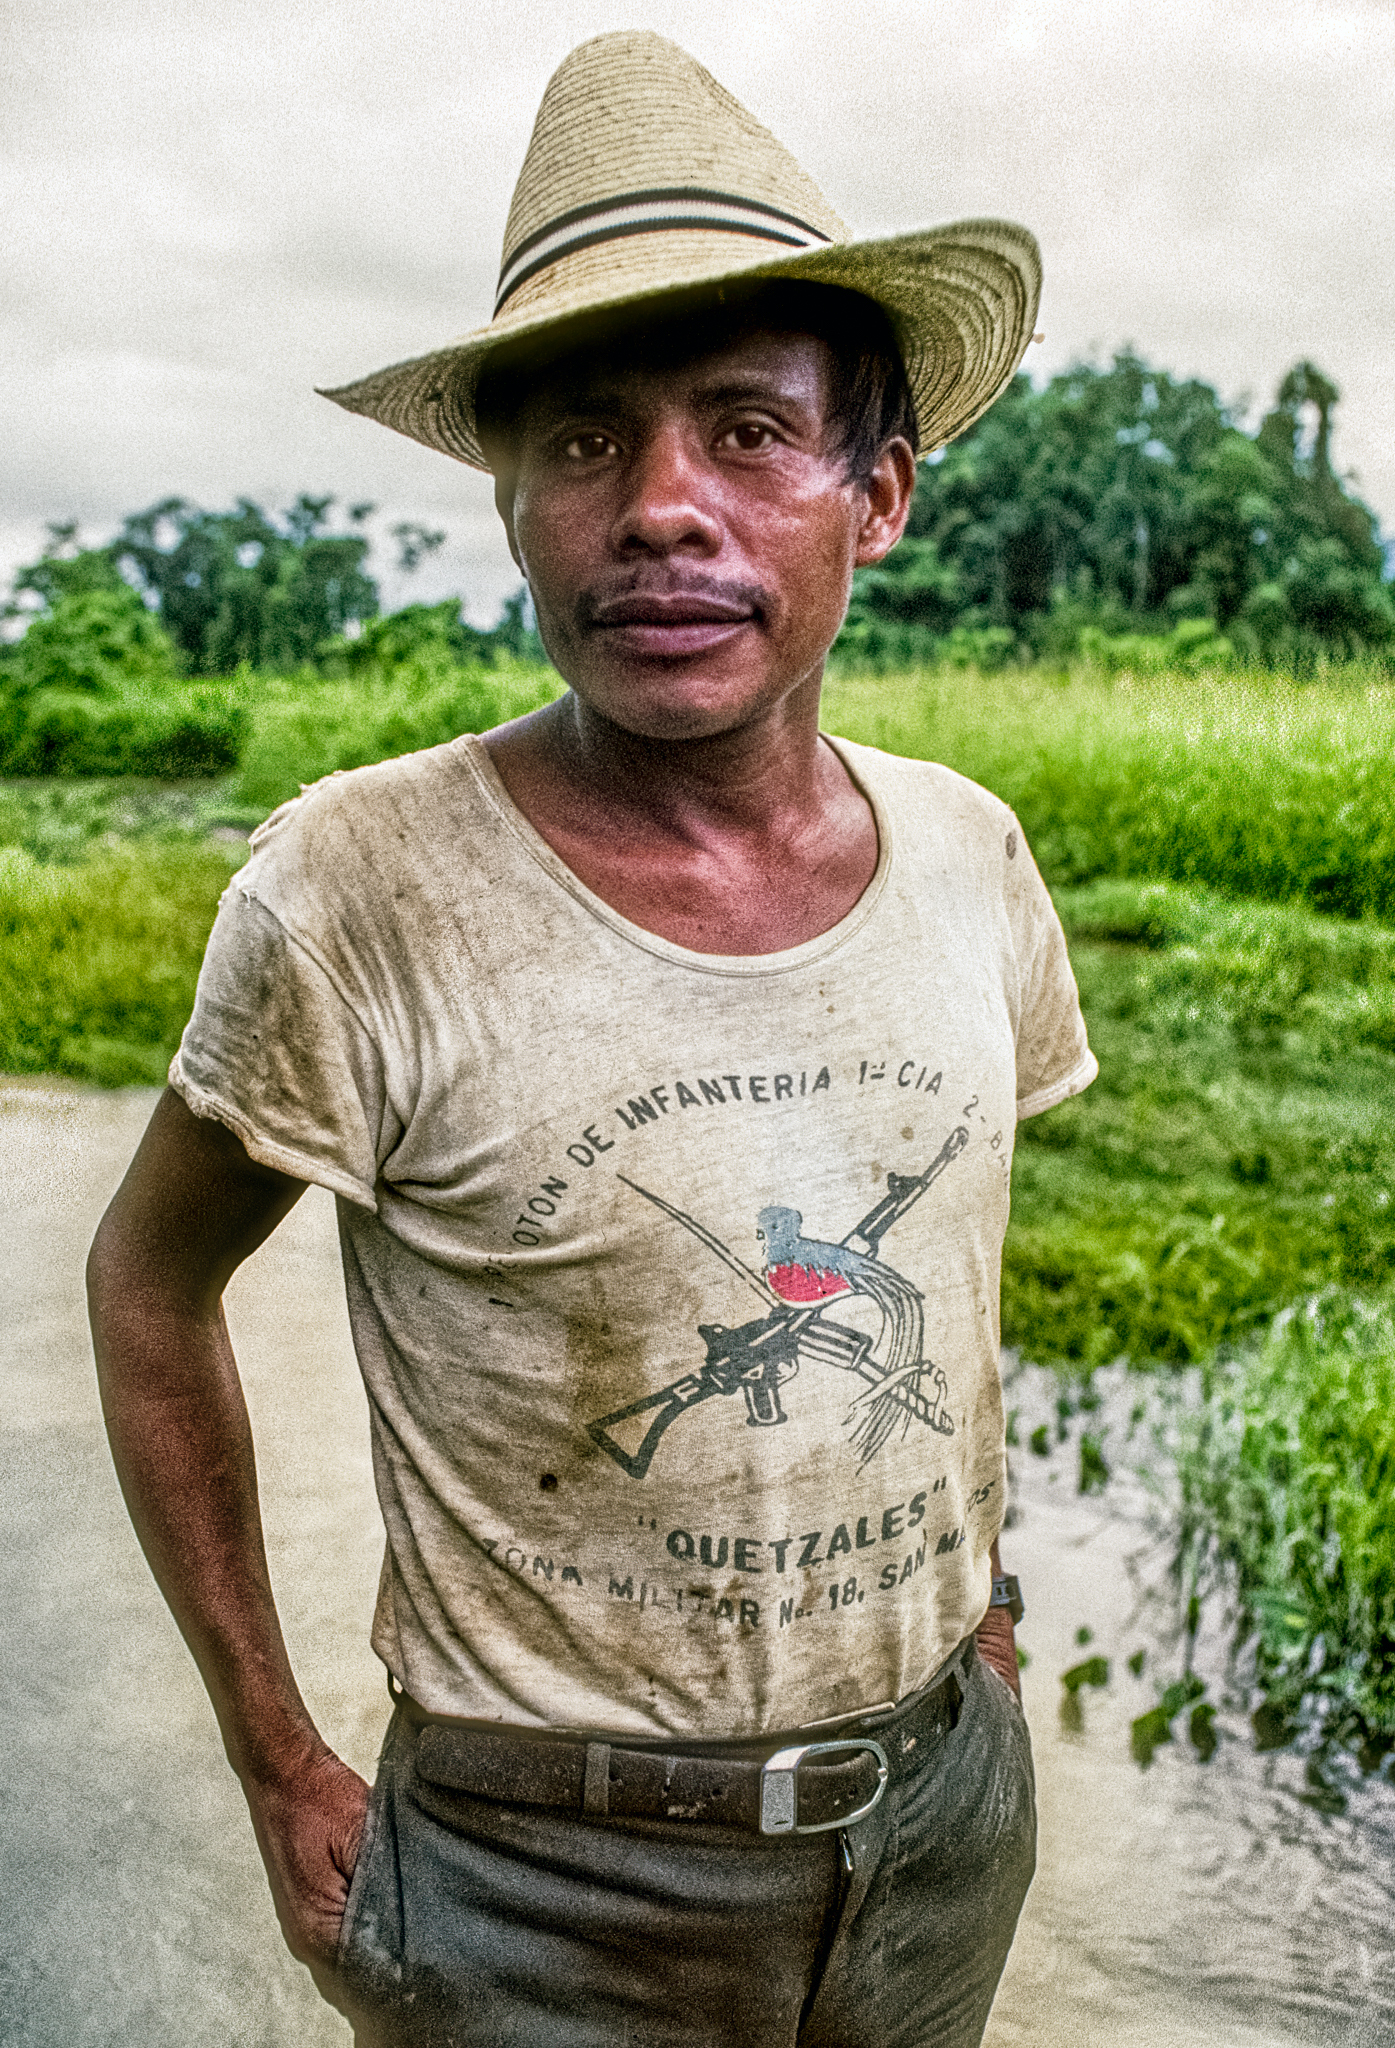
[(803, 1279)]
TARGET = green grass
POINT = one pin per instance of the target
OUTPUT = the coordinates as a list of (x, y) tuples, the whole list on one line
[(66, 818), (1246, 784), (108, 887), (304, 727), (1234, 1153), (1238, 1149), (98, 958)]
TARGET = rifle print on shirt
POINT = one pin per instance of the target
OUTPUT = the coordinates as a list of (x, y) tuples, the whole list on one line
[(803, 1280)]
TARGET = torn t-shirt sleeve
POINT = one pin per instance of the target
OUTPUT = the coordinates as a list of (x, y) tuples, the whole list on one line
[(275, 1051), (1054, 1059)]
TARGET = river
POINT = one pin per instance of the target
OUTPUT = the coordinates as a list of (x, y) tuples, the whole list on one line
[(1204, 1905)]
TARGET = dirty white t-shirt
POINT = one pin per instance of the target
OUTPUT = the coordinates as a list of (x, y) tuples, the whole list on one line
[(673, 1277)]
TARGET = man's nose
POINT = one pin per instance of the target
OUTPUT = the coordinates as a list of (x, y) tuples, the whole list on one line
[(667, 505)]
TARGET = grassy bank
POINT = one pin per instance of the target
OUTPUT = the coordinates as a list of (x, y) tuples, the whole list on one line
[(1238, 1148), (98, 957), (1246, 784)]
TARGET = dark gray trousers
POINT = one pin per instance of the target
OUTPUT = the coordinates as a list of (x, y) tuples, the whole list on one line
[(476, 1925)]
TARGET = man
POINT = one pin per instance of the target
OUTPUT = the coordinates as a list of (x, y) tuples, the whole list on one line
[(664, 1059)]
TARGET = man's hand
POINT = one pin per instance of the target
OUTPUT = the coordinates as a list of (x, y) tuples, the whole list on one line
[(309, 1827)]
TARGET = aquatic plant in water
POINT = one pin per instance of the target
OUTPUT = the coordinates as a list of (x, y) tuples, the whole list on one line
[(1287, 1503)]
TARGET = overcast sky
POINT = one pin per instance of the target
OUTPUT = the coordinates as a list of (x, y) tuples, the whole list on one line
[(214, 205)]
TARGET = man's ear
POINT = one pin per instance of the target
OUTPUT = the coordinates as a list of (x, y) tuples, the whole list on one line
[(503, 505), (889, 488)]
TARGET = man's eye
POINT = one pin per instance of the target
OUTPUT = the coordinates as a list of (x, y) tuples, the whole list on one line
[(590, 447), (750, 435)]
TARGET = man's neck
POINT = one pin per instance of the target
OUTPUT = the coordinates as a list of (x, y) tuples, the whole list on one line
[(747, 841), (744, 780)]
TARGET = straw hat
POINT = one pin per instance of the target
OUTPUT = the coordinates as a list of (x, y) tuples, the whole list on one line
[(644, 176)]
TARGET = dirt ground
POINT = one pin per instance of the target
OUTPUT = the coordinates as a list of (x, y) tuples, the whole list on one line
[(134, 1906)]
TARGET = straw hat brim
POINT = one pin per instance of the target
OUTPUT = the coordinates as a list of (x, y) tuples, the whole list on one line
[(962, 301)]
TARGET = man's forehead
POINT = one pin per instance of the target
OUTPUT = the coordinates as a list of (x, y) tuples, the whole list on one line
[(748, 362)]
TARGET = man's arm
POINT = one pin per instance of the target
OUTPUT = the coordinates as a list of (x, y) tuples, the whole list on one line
[(192, 1207), (997, 1645)]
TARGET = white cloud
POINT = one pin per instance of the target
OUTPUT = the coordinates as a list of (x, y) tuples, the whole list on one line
[(212, 208)]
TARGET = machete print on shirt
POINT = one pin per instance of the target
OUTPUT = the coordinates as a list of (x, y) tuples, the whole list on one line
[(803, 1277)]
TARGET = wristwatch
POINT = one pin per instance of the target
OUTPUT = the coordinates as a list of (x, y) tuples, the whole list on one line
[(1007, 1593)]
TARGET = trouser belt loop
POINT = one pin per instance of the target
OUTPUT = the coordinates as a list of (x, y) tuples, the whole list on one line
[(595, 1785)]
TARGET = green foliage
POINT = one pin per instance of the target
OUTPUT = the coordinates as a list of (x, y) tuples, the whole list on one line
[(1093, 1672), (307, 727), (1144, 1225), (431, 631), (98, 960), (92, 689), (1194, 647), (195, 730), (1201, 1731), (63, 570), (1244, 784), (1288, 1504), (1094, 1472), (238, 587), (1154, 1728), (94, 640), (436, 634), (1125, 502)]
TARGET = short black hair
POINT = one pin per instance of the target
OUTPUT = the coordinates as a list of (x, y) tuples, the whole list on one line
[(870, 399)]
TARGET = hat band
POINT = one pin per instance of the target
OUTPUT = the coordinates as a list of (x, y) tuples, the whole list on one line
[(647, 213)]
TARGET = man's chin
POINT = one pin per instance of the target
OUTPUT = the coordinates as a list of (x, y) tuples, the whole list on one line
[(677, 700), (673, 724)]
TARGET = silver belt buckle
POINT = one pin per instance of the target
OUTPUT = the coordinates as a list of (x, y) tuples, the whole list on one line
[(779, 1787)]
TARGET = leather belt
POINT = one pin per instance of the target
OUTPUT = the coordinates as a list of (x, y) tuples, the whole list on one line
[(806, 1783)]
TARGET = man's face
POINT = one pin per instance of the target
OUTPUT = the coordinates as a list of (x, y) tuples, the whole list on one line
[(688, 529)]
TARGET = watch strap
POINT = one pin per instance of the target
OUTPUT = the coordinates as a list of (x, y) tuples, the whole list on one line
[(1007, 1593)]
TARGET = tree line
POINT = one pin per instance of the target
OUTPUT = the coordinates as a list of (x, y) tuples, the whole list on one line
[(1116, 501), (244, 589), (1127, 501), (145, 656)]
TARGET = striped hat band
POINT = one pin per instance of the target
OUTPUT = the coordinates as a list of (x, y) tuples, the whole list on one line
[(634, 144), (647, 213)]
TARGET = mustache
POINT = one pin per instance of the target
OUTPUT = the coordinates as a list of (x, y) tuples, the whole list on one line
[(640, 598)]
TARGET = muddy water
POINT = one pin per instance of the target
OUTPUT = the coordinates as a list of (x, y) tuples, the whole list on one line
[(1205, 1906)]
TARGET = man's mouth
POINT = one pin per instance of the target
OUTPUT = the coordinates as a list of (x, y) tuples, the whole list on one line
[(676, 609), (672, 622)]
